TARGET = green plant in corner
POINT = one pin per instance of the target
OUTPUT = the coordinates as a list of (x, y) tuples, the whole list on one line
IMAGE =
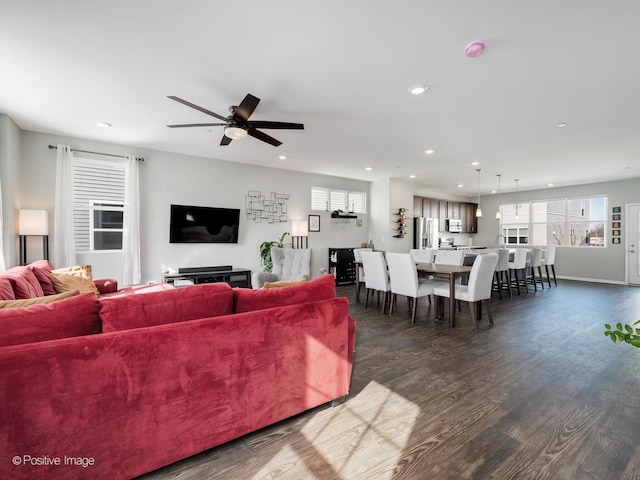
[(624, 333), (265, 250)]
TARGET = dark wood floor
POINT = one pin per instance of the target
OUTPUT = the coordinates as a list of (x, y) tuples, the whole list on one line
[(542, 394)]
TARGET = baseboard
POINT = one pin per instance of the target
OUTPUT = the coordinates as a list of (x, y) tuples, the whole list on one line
[(592, 280)]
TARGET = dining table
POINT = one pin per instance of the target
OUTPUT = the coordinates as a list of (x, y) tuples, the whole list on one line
[(453, 272)]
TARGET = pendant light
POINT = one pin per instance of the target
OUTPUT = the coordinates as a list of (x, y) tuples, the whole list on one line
[(517, 217), (498, 214), (478, 210)]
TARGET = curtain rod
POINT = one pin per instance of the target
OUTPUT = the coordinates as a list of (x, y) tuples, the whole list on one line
[(55, 147)]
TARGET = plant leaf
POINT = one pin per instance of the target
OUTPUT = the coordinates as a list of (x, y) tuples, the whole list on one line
[(607, 326), (635, 342), (619, 326), (628, 328)]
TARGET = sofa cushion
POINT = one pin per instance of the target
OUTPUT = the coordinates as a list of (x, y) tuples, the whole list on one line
[(24, 282), (6, 290), (71, 317), (320, 288), (42, 271), (25, 302), (283, 283), (73, 278), (167, 306)]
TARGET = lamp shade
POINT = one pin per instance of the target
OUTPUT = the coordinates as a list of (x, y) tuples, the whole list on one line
[(299, 228), (33, 222)]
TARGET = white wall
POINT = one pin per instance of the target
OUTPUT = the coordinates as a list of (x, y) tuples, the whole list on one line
[(588, 263), (167, 178)]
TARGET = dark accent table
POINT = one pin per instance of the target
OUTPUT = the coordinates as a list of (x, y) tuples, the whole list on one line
[(236, 277)]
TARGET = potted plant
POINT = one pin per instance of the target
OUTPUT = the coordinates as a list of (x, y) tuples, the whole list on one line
[(624, 333), (265, 251)]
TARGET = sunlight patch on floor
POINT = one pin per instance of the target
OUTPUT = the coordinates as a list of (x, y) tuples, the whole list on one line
[(363, 438)]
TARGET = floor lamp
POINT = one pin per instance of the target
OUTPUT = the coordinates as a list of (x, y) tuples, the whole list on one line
[(30, 223), (300, 234)]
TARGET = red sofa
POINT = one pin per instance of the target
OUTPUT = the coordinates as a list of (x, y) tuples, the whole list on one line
[(171, 374)]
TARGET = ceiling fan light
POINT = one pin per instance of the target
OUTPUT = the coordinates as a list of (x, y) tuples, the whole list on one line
[(235, 133)]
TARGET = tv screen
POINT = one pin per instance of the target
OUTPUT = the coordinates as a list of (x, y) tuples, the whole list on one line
[(203, 224)]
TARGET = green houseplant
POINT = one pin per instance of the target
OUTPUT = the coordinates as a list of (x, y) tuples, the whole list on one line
[(624, 333), (265, 250)]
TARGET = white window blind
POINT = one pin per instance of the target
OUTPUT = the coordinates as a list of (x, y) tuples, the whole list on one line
[(325, 199), (98, 204)]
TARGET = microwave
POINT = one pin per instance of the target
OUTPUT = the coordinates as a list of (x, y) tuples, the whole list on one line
[(454, 225)]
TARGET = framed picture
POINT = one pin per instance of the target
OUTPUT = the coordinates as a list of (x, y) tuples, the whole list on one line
[(314, 223), (615, 225), (615, 240), (615, 233), (615, 216), (617, 210)]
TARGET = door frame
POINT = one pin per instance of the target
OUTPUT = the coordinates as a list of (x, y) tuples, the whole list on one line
[(627, 236)]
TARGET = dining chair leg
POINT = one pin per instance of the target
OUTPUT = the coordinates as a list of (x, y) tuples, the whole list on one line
[(474, 314), (498, 282), (533, 279), (384, 301), (546, 269), (506, 274), (413, 310), (487, 304), (553, 269), (540, 276), (394, 297)]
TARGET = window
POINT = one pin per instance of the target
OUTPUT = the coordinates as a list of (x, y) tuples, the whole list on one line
[(325, 199), (98, 205), (569, 222)]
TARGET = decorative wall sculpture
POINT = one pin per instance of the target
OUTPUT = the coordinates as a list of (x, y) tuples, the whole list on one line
[(272, 210)]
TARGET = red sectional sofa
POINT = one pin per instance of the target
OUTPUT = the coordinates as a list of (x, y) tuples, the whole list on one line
[(142, 381)]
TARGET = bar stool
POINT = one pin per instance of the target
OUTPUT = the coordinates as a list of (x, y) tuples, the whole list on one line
[(518, 264), (501, 280), (531, 265)]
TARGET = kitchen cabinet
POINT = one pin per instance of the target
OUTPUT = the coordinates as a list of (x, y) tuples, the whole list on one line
[(453, 209), (468, 217)]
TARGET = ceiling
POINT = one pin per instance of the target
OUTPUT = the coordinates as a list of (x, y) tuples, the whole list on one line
[(343, 68)]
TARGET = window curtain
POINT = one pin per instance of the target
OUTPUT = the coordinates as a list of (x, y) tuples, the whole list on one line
[(3, 265), (64, 252), (131, 223)]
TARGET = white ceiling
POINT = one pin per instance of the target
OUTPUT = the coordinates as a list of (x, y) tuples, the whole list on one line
[(343, 68)]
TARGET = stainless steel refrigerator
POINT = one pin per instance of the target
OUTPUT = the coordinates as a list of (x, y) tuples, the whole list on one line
[(426, 233)]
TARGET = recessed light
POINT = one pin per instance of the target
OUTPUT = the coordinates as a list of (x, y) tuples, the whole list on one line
[(368, 169), (429, 151), (494, 191), (550, 184), (103, 124), (418, 89), (282, 157), (412, 176), (460, 185), (563, 124), (475, 163)]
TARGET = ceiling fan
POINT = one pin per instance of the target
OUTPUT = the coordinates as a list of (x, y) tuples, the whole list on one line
[(237, 125)]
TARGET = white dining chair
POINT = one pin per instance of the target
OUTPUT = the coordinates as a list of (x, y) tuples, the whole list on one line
[(404, 281), (376, 276), (535, 262), (421, 255), (358, 258), (449, 257), (549, 260), (501, 281), (478, 288), (516, 266)]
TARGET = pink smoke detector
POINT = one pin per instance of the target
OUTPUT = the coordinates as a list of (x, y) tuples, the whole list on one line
[(474, 49)]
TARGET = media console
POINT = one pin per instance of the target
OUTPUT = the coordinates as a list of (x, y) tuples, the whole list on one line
[(236, 277)]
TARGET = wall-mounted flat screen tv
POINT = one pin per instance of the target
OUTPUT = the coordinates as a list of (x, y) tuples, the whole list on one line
[(191, 224)]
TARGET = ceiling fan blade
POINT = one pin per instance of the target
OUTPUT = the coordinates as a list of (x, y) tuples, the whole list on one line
[(225, 141), (264, 137), (200, 109), (196, 125), (246, 107), (278, 125)]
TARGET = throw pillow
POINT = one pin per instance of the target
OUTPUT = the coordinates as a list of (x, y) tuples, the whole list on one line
[(42, 271), (38, 300), (24, 282), (283, 283), (319, 288), (73, 278), (166, 306), (6, 290), (71, 317)]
